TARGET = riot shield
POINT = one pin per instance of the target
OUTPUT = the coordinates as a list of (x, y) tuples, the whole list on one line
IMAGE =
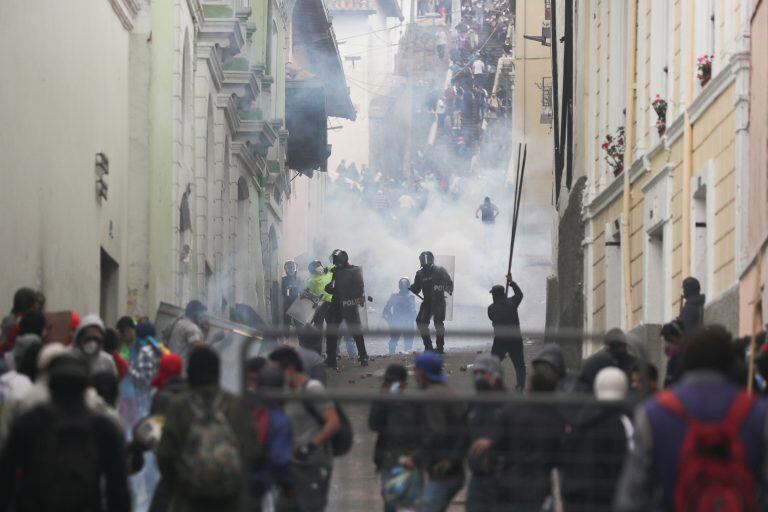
[(448, 262), (350, 288), (303, 309)]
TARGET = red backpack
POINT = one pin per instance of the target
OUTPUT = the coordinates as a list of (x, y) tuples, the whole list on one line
[(713, 474)]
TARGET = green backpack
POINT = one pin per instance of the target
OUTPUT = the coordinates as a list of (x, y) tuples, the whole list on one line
[(210, 465)]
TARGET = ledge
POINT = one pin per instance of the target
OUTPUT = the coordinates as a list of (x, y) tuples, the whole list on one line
[(614, 189), (254, 163), (243, 83), (226, 33), (209, 53)]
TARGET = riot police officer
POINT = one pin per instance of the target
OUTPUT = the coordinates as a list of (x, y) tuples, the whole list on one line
[(290, 286), (399, 312), (348, 291), (434, 281)]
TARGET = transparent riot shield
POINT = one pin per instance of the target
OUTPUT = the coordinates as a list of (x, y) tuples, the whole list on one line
[(303, 309), (448, 262)]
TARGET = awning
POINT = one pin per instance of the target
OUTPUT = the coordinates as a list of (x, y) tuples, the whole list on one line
[(306, 121), (315, 50)]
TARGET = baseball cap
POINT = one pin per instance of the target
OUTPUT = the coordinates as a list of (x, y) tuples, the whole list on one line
[(431, 366), (497, 290)]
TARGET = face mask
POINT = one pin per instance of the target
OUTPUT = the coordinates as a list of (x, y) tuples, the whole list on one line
[(91, 347), (481, 384)]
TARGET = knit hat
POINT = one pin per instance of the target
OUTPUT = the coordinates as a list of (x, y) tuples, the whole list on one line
[(145, 329), (490, 364), (170, 367), (611, 384), (615, 336)]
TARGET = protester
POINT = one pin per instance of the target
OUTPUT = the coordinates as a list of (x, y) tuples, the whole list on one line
[(507, 339), (15, 383), (111, 346), (314, 423), (593, 446), (692, 311), (274, 436), (636, 384), (673, 335), (34, 322), (701, 442), (290, 286), (394, 424), (615, 352), (483, 420), (24, 300), (62, 456), (528, 443), (88, 340), (207, 447), (187, 331), (143, 361), (443, 437)]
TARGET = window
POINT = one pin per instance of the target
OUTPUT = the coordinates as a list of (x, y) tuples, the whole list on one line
[(613, 276), (700, 235)]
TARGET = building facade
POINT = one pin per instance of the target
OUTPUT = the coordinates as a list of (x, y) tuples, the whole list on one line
[(754, 268), (177, 111), (665, 150)]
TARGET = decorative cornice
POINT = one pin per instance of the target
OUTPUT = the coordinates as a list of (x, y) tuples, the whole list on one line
[(716, 86), (243, 83), (653, 180), (225, 32), (196, 8), (675, 131), (125, 11), (209, 53), (254, 163)]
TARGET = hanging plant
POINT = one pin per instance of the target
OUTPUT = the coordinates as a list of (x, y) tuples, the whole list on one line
[(614, 150), (660, 107), (704, 69)]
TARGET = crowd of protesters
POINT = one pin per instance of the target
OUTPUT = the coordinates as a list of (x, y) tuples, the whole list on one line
[(81, 414)]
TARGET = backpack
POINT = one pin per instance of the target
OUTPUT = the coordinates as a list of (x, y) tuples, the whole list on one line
[(713, 472), (341, 442), (66, 463), (210, 465)]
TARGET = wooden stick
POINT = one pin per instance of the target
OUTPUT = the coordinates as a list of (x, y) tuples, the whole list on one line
[(514, 212)]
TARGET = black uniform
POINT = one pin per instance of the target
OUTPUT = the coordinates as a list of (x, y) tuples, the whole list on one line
[(503, 314), (434, 282), (348, 296)]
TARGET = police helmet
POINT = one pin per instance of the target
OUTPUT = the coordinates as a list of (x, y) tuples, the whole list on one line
[(426, 259), (339, 257), (315, 267), (290, 267)]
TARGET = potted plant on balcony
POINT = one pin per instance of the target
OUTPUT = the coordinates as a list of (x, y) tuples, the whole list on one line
[(614, 150), (704, 69), (660, 107)]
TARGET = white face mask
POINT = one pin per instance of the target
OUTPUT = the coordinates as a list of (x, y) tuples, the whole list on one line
[(91, 347)]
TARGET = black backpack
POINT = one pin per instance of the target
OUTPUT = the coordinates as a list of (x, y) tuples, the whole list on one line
[(341, 442), (66, 464)]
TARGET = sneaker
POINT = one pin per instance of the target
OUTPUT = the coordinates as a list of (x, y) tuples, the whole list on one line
[(440, 350)]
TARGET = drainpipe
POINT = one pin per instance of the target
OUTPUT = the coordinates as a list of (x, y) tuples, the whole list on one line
[(629, 142), (688, 142)]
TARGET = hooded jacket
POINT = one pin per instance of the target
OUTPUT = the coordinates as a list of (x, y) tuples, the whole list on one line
[(692, 314)]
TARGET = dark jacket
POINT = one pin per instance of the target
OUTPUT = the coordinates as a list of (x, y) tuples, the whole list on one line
[(528, 443), (397, 429), (591, 457), (22, 464), (692, 314), (483, 422), (434, 282), (503, 311), (178, 419), (650, 473), (443, 431), (162, 399), (604, 358)]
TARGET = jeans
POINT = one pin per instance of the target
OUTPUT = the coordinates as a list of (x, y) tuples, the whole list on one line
[(481, 494), (436, 495), (407, 343)]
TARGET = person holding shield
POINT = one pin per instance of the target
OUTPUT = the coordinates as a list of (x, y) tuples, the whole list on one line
[(434, 282)]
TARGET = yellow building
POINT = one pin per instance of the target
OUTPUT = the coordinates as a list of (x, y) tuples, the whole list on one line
[(670, 207)]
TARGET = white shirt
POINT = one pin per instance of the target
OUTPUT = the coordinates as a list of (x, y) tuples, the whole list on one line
[(440, 108), (478, 67), (442, 39)]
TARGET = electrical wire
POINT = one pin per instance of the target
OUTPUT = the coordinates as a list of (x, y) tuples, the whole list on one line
[(369, 33)]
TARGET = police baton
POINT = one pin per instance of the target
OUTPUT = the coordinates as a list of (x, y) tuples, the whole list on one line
[(416, 294)]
